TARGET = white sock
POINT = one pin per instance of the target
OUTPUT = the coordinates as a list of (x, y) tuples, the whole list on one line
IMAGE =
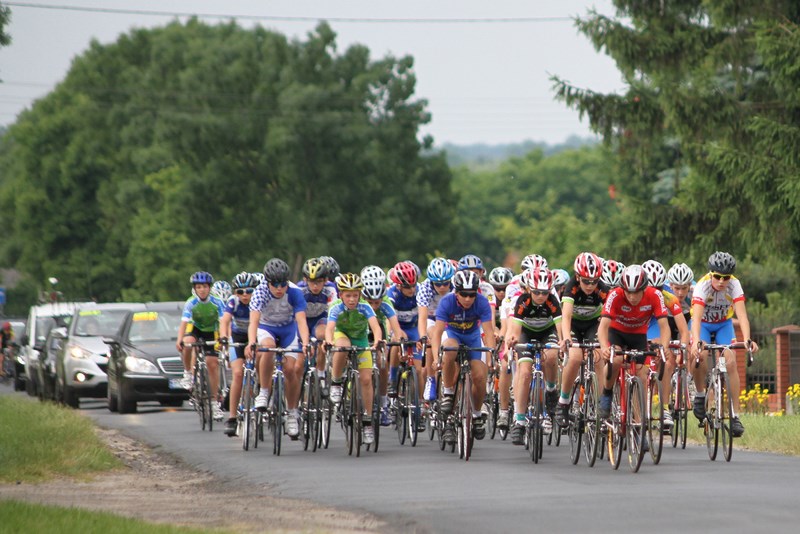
[(265, 392)]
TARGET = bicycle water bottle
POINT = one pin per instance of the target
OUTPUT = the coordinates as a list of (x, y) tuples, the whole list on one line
[(430, 389)]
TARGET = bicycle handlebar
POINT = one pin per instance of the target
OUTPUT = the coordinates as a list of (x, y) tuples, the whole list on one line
[(738, 345), (528, 347)]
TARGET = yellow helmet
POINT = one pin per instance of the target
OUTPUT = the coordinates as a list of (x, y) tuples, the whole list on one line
[(349, 282)]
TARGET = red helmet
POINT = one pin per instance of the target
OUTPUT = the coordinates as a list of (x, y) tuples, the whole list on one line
[(588, 265), (404, 274), (6, 326)]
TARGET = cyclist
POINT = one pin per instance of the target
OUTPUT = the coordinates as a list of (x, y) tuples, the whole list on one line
[(331, 268), (440, 274), (473, 263), (717, 297), (582, 305), (539, 312), (680, 282), (624, 322), (560, 279), (277, 317), (612, 272), (233, 327), (349, 321), (200, 322), (319, 294), (403, 295), (460, 318), (505, 310), (374, 292), (6, 339), (222, 290)]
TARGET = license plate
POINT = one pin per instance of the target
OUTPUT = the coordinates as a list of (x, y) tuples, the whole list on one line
[(175, 383)]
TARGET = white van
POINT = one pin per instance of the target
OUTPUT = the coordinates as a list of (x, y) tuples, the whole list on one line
[(41, 320)]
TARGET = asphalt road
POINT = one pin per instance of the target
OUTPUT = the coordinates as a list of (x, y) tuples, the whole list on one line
[(422, 489)]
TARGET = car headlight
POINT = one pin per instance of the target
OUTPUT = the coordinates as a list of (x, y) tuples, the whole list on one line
[(79, 352), (140, 365)]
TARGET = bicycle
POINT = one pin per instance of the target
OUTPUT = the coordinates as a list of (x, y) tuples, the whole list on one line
[(461, 418), (277, 412), (627, 423), (491, 402), (250, 419), (679, 402), (406, 406), (655, 405), (351, 410), (201, 397), (536, 413), (379, 356), (583, 407), (311, 400), (719, 400)]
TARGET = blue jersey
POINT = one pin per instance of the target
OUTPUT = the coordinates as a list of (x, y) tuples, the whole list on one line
[(460, 319), (240, 315), (277, 311), (317, 305), (406, 308)]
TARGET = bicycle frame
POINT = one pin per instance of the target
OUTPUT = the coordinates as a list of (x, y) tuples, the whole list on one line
[(536, 412), (406, 406), (201, 388), (583, 418), (351, 409), (277, 412)]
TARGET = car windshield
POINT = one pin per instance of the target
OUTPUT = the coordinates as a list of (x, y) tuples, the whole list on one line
[(150, 326), (45, 324), (99, 322)]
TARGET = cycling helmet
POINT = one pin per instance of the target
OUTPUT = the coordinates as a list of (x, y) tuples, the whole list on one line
[(470, 261), (633, 279), (404, 274), (440, 270), (612, 271), (201, 277), (6, 326), (243, 280), (656, 273), (680, 274), (374, 280), (349, 282), (500, 277), (333, 266), (533, 261), (560, 277), (466, 281), (314, 269), (258, 278), (541, 279), (276, 271), (588, 265), (222, 290), (722, 262), (416, 268)]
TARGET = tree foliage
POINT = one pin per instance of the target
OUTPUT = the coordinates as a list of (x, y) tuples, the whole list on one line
[(214, 147)]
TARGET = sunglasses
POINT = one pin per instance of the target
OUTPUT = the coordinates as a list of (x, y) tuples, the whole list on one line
[(499, 289), (441, 284), (468, 294), (247, 290), (590, 281), (279, 284), (718, 276), (540, 292)]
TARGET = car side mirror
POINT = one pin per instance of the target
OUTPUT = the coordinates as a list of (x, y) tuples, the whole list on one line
[(111, 342)]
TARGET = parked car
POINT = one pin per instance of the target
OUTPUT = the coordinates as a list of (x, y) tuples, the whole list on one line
[(41, 319), (46, 381), (144, 365), (82, 360)]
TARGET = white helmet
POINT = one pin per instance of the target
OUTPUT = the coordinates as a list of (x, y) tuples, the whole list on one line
[(680, 274), (656, 273), (374, 280)]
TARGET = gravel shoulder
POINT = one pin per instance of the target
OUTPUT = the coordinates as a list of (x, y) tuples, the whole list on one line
[(159, 488)]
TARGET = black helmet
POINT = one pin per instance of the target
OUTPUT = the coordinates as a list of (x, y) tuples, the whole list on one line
[(314, 269), (332, 266), (722, 263), (276, 271), (466, 281)]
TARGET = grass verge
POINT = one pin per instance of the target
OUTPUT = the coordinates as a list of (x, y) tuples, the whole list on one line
[(23, 518), (762, 433), (42, 440)]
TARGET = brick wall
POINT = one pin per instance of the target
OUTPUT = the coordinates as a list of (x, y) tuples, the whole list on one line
[(782, 351)]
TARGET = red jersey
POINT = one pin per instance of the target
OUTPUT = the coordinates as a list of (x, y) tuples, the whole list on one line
[(631, 319)]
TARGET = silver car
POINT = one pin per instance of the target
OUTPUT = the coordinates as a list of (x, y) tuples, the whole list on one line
[(83, 358)]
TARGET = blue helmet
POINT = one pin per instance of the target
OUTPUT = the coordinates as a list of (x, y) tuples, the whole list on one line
[(440, 270), (470, 261), (201, 277)]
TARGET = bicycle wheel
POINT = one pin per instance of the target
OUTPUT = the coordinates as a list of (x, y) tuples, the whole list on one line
[(412, 406), (376, 410), (725, 415), (401, 413), (591, 425), (327, 418), (683, 413), (636, 423), (347, 416), (493, 409), (710, 425), (536, 419), (197, 396), (615, 424), (311, 412), (209, 399), (247, 405), (576, 425), (655, 422), (357, 412), (465, 436), (675, 406), (277, 415)]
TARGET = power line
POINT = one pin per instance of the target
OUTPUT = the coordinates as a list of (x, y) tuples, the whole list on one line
[(279, 18)]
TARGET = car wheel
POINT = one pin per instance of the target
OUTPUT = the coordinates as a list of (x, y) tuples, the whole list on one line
[(124, 404), (111, 399)]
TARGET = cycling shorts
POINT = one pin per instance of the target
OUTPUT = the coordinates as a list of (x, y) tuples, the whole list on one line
[(721, 333), (470, 340), (199, 335), (285, 337), (545, 336), (233, 353), (364, 358), (628, 341), (585, 331)]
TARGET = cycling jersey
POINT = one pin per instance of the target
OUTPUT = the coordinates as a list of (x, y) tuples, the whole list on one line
[(317, 305), (585, 307), (686, 303), (406, 308), (277, 311), (633, 319), (673, 308), (353, 323), (240, 315), (427, 297), (203, 315), (460, 319), (718, 304), (537, 317), (486, 289), (384, 312)]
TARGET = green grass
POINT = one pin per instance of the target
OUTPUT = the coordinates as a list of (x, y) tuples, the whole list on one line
[(762, 433), (24, 518), (41, 440)]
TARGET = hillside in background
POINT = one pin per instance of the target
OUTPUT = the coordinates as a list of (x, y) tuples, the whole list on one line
[(482, 155)]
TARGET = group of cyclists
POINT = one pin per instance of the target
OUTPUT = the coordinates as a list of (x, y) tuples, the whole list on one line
[(460, 304)]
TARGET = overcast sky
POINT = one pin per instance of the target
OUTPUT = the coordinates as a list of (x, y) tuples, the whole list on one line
[(485, 80)]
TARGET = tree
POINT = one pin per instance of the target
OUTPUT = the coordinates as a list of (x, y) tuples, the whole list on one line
[(5, 18)]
